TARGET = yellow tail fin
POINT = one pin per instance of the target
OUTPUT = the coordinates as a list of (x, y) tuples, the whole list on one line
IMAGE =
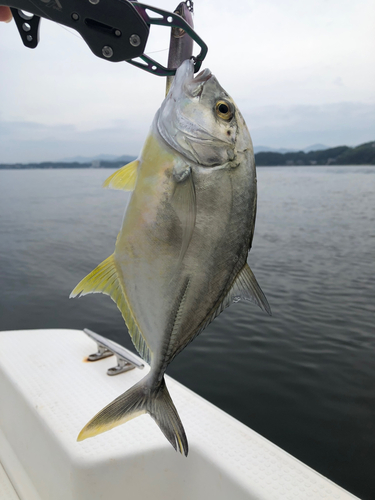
[(143, 397)]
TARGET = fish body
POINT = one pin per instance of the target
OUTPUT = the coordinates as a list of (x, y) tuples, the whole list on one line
[(180, 256)]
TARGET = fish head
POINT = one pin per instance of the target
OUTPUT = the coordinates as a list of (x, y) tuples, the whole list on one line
[(201, 121)]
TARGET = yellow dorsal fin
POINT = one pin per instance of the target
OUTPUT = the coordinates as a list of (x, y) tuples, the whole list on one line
[(124, 178), (106, 279)]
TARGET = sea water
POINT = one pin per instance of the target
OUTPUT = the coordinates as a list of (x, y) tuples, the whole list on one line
[(303, 378)]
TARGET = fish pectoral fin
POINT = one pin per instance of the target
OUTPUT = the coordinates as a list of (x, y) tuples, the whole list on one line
[(106, 279), (184, 204), (246, 287), (124, 178), (142, 398)]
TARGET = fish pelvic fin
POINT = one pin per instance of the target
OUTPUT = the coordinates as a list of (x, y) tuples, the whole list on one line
[(106, 279), (124, 178), (143, 397)]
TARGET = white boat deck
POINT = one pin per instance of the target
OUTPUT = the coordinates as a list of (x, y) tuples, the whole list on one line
[(7, 492), (48, 392)]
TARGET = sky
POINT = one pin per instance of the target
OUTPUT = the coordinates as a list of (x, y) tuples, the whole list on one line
[(300, 72)]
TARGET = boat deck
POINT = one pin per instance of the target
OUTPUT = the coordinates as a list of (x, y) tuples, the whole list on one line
[(48, 393)]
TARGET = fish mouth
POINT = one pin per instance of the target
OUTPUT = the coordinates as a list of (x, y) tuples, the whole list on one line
[(194, 85), (203, 76), (184, 79)]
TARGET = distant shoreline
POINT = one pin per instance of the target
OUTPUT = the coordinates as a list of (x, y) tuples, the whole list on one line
[(363, 154)]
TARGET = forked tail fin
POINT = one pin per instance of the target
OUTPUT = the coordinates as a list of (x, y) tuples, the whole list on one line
[(141, 398)]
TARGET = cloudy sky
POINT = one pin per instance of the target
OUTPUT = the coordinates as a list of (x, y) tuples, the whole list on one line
[(300, 72)]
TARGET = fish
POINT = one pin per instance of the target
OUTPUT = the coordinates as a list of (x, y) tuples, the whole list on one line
[(181, 255)]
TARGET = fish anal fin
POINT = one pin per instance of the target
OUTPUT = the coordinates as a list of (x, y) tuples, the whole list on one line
[(102, 277), (184, 204), (124, 178), (106, 279)]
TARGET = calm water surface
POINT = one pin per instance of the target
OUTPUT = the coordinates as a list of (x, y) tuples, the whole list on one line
[(304, 378)]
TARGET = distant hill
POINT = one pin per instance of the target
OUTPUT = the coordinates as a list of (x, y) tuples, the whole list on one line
[(267, 149), (100, 158), (87, 159), (363, 154), (44, 165), (118, 163), (315, 147)]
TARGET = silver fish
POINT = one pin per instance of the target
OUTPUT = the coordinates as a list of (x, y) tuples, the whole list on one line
[(180, 257)]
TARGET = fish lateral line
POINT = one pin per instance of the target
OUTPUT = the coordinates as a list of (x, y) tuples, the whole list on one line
[(177, 322)]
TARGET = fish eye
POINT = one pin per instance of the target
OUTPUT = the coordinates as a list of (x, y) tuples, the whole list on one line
[(223, 110)]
